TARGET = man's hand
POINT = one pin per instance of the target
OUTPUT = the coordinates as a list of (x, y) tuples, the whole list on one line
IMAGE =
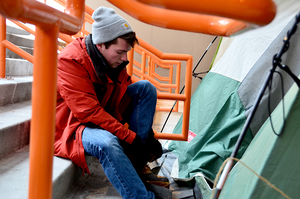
[(153, 147), (141, 153)]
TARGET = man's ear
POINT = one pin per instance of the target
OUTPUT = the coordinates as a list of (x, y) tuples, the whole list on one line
[(100, 47)]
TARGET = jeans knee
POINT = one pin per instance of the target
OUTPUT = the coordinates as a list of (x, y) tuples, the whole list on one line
[(100, 143), (149, 87), (111, 145)]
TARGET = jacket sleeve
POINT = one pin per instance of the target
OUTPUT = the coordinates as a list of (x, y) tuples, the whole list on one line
[(76, 88)]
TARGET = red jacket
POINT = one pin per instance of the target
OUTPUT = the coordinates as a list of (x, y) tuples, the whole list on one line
[(78, 103)]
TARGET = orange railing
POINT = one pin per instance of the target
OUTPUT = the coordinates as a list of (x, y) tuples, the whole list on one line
[(214, 17), (186, 97), (146, 69), (49, 22)]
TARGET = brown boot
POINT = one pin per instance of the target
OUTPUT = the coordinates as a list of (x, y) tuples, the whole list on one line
[(159, 192), (148, 177)]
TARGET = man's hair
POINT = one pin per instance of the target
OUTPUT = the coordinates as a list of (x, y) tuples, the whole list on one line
[(129, 37)]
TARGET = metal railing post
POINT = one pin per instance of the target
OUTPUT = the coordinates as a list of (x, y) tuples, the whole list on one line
[(130, 55), (2, 48), (43, 112)]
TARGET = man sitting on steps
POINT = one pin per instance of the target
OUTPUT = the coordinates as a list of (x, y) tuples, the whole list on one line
[(95, 98)]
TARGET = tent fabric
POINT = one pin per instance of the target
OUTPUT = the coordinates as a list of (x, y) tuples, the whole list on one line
[(273, 157), (250, 86), (238, 54), (217, 130), (221, 103)]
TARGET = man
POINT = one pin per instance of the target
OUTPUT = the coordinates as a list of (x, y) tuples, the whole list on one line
[(95, 98)]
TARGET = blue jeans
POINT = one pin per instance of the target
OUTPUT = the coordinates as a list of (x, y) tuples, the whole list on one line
[(106, 147)]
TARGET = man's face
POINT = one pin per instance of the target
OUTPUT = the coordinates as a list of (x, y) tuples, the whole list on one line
[(116, 53)]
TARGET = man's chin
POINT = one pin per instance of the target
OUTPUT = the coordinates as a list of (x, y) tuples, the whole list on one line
[(114, 66)]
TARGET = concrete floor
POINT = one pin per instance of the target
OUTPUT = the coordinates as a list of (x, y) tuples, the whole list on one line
[(93, 186)]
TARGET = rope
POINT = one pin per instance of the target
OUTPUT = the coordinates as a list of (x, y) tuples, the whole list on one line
[(259, 176)]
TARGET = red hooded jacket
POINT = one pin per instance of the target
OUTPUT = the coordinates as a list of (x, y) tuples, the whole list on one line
[(82, 99)]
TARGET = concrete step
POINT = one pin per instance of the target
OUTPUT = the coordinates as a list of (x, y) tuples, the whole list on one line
[(10, 54), (15, 89), (14, 175), (93, 186), (14, 127), (21, 40), (12, 28), (14, 156), (26, 40), (18, 67)]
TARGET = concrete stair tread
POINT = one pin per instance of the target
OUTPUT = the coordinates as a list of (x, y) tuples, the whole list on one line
[(16, 79), (15, 29), (14, 114), (18, 67), (14, 127), (14, 175), (11, 54), (15, 89)]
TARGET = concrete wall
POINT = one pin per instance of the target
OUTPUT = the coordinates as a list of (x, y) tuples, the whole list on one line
[(169, 41)]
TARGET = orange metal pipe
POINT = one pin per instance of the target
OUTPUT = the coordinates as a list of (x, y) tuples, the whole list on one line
[(43, 112), (170, 136), (130, 55), (24, 27), (180, 20), (66, 38), (2, 47), (260, 12), (17, 50), (41, 15), (181, 97), (143, 64), (49, 22), (187, 103), (161, 55)]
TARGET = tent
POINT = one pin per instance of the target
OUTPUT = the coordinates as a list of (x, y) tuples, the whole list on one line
[(225, 97)]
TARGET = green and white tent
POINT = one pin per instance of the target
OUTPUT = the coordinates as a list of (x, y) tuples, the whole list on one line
[(225, 98)]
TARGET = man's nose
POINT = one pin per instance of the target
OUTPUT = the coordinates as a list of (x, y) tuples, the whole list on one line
[(124, 56)]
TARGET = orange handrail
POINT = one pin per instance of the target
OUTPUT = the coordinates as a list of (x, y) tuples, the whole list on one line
[(146, 70), (259, 12), (17, 50), (181, 20), (49, 22), (2, 47), (186, 97)]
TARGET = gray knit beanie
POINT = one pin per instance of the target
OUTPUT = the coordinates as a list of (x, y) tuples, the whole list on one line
[(108, 25)]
